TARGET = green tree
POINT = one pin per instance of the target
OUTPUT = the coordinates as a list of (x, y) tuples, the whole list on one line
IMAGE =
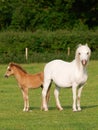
[(47, 14), (6, 11)]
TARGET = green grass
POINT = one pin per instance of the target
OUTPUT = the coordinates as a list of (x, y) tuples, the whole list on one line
[(11, 104)]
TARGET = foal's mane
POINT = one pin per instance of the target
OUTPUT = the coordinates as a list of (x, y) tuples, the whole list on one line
[(17, 66)]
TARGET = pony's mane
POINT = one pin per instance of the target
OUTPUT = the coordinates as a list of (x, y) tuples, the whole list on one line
[(17, 66)]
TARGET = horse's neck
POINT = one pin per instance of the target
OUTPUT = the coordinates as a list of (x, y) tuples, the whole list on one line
[(80, 66), (19, 74)]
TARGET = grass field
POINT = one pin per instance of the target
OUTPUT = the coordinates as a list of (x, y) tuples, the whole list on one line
[(11, 104)]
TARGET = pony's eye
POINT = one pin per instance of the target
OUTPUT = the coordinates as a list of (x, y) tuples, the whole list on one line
[(79, 53), (87, 53)]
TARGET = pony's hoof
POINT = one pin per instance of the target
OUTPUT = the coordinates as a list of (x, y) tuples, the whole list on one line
[(79, 109), (61, 109), (30, 110), (75, 110), (44, 109), (25, 110)]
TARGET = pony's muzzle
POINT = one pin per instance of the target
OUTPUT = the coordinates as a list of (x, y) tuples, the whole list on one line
[(84, 62)]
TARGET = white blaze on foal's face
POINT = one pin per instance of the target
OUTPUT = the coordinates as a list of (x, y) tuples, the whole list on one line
[(9, 71)]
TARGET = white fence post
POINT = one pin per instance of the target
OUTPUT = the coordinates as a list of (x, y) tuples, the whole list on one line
[(68, 51), (26, 53)]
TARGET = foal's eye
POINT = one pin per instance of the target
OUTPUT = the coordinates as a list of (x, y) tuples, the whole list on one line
[(9, 69), (87, 53)]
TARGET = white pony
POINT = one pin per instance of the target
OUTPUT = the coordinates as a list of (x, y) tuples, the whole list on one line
[(67, 74)]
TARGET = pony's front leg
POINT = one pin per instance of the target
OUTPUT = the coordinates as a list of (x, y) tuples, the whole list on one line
[(56, 94), (78, 98), (74, 90)]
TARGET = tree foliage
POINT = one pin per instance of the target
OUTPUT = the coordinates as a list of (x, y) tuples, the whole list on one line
[(47, 14)]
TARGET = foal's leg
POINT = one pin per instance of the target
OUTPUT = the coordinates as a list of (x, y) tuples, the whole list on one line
[(44, 94), (26, 99), (56, 94), (78, 98)]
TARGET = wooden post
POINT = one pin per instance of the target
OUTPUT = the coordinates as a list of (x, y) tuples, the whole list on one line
[(26, 53), (68, 51)]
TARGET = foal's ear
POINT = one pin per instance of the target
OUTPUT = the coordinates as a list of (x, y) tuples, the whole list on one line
[(11, 63)]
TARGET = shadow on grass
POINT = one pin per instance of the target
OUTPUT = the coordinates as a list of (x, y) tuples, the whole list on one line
[(65, 107), (89, 107), (35, 108)]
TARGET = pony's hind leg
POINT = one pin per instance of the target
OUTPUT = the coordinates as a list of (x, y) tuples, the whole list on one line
[(47, 97), (44, 95), (56, 94)]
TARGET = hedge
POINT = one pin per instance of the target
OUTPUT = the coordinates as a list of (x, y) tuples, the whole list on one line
[(44, 46)]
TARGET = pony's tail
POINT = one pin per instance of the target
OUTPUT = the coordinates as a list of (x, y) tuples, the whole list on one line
[(48, 93)]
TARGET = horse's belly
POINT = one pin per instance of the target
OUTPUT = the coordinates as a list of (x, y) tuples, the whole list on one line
[(62, 77), (61, 82)]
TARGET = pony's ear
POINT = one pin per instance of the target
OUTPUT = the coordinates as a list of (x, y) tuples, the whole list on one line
[(79, 45), (86, 44)]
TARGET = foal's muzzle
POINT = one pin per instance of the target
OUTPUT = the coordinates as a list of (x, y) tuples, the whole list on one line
[(6, 76)]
